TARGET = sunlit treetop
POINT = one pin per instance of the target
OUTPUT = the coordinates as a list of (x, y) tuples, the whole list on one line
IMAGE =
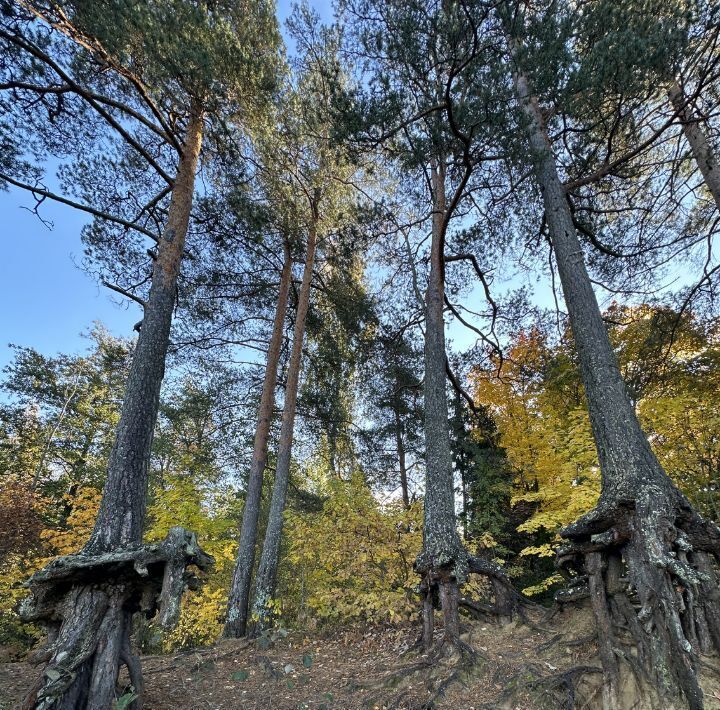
[(212, 51)]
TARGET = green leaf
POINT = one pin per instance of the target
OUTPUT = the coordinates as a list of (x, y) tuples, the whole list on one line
[(124, 701), (307, 660), (240, 675)]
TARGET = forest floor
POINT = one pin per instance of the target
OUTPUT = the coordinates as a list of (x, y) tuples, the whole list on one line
[(545, 664)]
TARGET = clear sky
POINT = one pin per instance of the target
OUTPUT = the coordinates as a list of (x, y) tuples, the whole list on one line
[(47, 300)]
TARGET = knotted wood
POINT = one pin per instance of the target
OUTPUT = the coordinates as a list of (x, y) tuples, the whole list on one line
[(86, 602)]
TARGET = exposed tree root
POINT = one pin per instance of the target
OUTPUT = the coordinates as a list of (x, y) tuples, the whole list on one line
[(466, 663), (560, 689), (446, 660), (650, 571), (87, 602), (440, 591), (447, 663), (508, 601)]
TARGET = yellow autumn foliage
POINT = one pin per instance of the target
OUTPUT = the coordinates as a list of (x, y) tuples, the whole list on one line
[(538, 404), (353, 560), (63, 539), (547, 441), (76, 531), (181, 500)]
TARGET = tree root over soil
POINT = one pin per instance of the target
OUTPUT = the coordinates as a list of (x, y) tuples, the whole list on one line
[(451, 659), (559, 689), (86, 602), (440, 590), (650, 570), (446, 664)]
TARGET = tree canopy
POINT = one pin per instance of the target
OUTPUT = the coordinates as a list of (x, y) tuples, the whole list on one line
[(427, 300)]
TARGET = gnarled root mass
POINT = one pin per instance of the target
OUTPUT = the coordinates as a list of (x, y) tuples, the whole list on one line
[(508, 601), (86, 602), (440, 590), (650, 568)]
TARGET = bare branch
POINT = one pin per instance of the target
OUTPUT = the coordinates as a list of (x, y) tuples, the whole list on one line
[(124, 292), (35, 190)]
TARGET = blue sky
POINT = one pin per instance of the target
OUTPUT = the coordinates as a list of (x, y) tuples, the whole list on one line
[(48, 301)]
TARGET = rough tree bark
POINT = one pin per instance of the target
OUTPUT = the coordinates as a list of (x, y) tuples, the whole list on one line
[(267, 569), (443, 562), (642, 520), (99, 593), (237, 614), (122, 511), (89, 631), (699, 145), (401, 458)]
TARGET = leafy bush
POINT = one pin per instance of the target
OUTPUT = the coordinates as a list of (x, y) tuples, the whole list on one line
[(353, 559)]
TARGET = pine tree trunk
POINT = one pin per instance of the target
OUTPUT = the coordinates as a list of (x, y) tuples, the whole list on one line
[(641, 515), (267, 569), (122, 511), (699, 145), (623, 449), (93, 628), (443, 560), (236, 623), (401, 459)]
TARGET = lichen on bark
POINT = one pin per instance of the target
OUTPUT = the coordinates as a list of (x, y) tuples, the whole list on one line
[(86, 603)]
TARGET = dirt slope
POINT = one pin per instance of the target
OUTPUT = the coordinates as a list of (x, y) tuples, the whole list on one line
[(548, 664)]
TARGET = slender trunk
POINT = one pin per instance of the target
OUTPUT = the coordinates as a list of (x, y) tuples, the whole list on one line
[(332, 449), (461, 463), (267, 569), (699, 145), (465, 501), (401, 459), (48, 443), (90, 620), (443, 558), (78, 478), (122, 511), (236, 623)]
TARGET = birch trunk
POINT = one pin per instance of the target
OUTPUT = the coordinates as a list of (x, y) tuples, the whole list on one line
[(236, 623), (267, 569), (401, 459)]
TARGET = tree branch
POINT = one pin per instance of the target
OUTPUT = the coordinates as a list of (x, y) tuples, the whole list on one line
[(35, 190), (124, 292)]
